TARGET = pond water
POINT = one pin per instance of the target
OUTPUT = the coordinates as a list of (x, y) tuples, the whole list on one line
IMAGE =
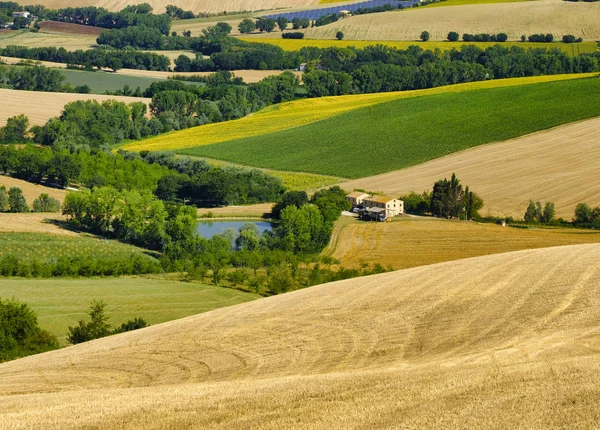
[(208, 229)]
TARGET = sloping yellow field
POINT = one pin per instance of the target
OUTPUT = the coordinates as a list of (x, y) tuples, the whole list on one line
[(39, 107), (504, 341), (196, 6), (410, 241), (559, 165), (544, 16), (302, 112)]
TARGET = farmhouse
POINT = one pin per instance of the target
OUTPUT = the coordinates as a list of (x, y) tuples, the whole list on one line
[(379, 205), (23, 14), (356, 198)]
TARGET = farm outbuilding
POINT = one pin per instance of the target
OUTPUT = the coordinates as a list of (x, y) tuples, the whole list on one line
[(356, 198)]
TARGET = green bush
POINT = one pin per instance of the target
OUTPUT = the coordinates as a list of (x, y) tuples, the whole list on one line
[(16, 200), (453, 36), (45, 203)]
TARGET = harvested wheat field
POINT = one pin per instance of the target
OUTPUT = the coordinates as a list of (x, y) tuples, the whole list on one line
[(515, 19), (417, 241), (249, 211), (32, 191), (34, 223), (39, 107), (249, 76), (501, 341), (560, 165), (197, 6)]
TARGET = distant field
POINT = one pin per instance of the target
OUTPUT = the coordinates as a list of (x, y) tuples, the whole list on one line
[(515, 19), (250, 211), (408, 131), (467, 2), (41, 106), (296, 45), (64, 27), (49, 247), (558, 165), (302, 112), (409, 242), (71, 42), (197, 6), (60, 303), (100, 82)]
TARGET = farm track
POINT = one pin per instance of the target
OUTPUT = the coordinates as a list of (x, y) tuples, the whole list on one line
[(558, 165), (515, 19), (501, 341), (39, 107)]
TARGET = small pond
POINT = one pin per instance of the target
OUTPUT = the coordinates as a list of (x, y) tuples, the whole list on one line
[(208, 229)]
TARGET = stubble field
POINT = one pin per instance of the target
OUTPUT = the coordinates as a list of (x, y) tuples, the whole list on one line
[(501, 341), (515, 19), (39, 107), (410, 242)]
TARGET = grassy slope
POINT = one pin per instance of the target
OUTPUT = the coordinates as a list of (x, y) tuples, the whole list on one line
[(60, 303), (306, 111), (49, 247), (504, 341), (411, 242), (295, 44), (99, 82), (405, 132)]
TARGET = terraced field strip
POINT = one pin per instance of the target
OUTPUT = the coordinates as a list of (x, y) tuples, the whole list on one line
[(298, 113), (71, 42), (410, 242), (39, 107), (558, 165), (502, 341), (515, 19), (409, 130), (60, 303), (296, 45)]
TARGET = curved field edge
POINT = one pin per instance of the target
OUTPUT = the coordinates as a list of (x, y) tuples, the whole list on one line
[(497, 341), (306, 111), (558, 165), (406, 132), (60, 303), (297, 44)]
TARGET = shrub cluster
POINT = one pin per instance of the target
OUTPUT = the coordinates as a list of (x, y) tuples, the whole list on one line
[(500, 37), (543, 38), (293, 35)]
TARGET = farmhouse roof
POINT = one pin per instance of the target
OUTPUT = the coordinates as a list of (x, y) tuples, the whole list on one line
[(379, 199), (24, 13), (376, 210)]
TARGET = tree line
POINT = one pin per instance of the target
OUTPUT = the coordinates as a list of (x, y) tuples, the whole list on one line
[(170, 178), (92, 58), (14, 201)]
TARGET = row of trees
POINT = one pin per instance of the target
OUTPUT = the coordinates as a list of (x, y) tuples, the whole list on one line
[(93, 58), (36, 78), (173, 179)]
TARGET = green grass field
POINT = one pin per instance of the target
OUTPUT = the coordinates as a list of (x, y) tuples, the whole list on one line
[(397, 134), (60, 303), (49, 247), (99, 82)]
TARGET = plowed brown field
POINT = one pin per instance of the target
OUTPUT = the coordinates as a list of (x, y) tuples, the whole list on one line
[(505, 341), (559, 165)]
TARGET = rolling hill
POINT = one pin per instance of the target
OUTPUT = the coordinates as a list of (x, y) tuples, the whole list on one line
[(503, 341), (401, 132), (292, 115), (515, 19), (558, 165)]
